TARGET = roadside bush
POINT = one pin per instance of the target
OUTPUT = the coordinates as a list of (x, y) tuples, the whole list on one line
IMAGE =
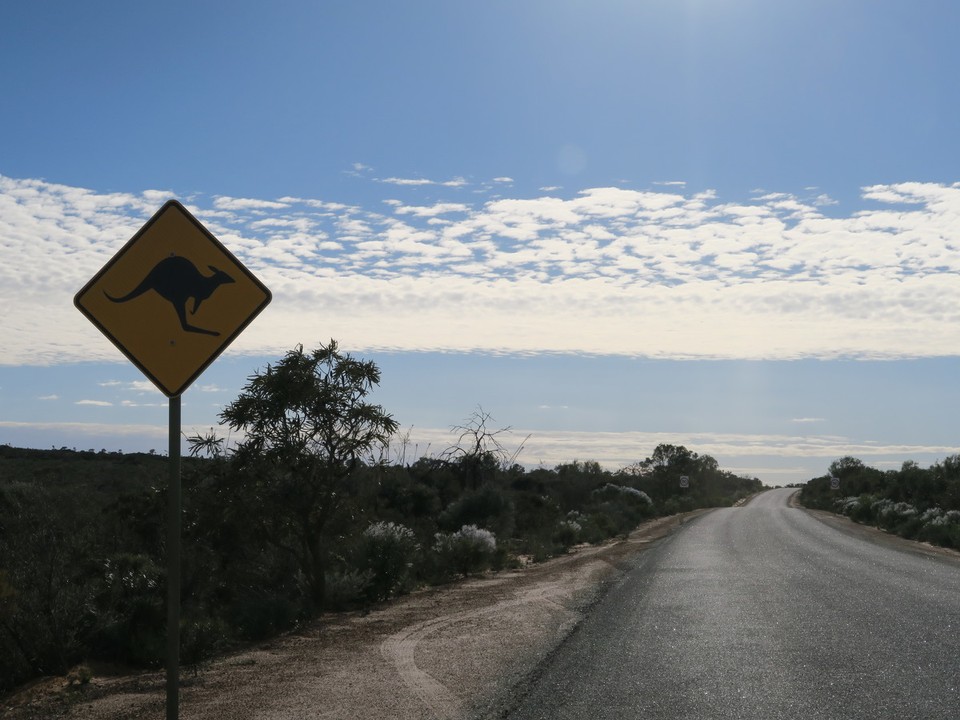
[(622, 492), (260, 613), (537, 514), (487, 507), (625, 507), (932, 525), (860, 508), (567, 534), (201, 639), (347, 589), (387, 552), (940, 528), (45, 583), (468, 551), (890, 515), (129, 616), (597, 527)]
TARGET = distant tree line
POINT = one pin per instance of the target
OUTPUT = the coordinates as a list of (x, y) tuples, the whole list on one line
[(315, 509), (914, 502)]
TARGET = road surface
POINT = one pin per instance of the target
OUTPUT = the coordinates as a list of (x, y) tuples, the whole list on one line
[(765, 612)]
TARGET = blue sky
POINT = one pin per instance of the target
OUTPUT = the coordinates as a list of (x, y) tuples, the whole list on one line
[(729, 225)]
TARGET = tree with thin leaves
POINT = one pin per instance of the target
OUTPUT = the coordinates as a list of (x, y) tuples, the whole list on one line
[(305, 423)]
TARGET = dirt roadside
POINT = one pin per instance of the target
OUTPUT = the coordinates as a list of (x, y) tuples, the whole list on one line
[(447, 652)]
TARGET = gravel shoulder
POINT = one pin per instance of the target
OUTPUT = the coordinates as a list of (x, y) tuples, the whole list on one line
[(449, 652)]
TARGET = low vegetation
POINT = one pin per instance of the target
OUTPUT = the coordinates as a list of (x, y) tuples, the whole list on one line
[(913, 502), (316, 510)]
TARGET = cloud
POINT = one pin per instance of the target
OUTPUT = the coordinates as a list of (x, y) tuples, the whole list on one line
[(418, 182), (228, 203), (132, 404), (101, 430), (95, 403), (432, 210), (603, 270), (129, 385), (808, 420), (49, 397)]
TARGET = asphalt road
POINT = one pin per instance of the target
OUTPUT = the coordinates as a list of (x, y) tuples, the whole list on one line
[(763, 611)]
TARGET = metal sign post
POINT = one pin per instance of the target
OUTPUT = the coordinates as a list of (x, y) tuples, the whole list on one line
[(173, 565), (172, 299)]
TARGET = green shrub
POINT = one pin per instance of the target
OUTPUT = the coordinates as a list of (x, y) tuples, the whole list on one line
[(129, 620), (261, 614), (940, 528), (388, 551), (597, 527), (347, 589), (468, 551), (567, 534), (201, 639), (488, 507)]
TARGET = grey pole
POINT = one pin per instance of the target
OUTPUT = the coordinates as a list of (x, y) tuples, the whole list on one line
[(173, 566)]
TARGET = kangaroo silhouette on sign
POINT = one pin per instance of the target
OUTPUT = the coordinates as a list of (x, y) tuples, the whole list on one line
[(176, 280)]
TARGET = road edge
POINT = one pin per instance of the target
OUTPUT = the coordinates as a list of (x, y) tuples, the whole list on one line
[(508, 696)]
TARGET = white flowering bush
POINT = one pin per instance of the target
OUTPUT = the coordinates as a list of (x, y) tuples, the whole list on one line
[(913, 502), (942, 519), (862, 508), (388, 551), (610, 490), (390, 532), (616, 510), (467, 551), (848, 505), (931, 515), (890, 515), (939, 527), (567, 533), (932, 524), (572, 525)]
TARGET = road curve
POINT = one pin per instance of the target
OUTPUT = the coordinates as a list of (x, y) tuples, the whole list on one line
[(763, 612)]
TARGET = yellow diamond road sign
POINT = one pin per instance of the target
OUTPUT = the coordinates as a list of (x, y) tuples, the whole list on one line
[(172, 299)]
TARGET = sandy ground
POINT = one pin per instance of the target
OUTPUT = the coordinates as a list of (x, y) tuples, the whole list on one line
[(451, 652)]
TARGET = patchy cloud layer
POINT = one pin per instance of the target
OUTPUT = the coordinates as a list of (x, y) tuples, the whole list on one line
[(443, 265)]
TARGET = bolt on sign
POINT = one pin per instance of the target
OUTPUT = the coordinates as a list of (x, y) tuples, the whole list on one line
[(172, 299)]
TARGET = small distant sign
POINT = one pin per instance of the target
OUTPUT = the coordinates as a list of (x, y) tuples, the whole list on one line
[(684, 481), (172, 299), (834, 483)]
